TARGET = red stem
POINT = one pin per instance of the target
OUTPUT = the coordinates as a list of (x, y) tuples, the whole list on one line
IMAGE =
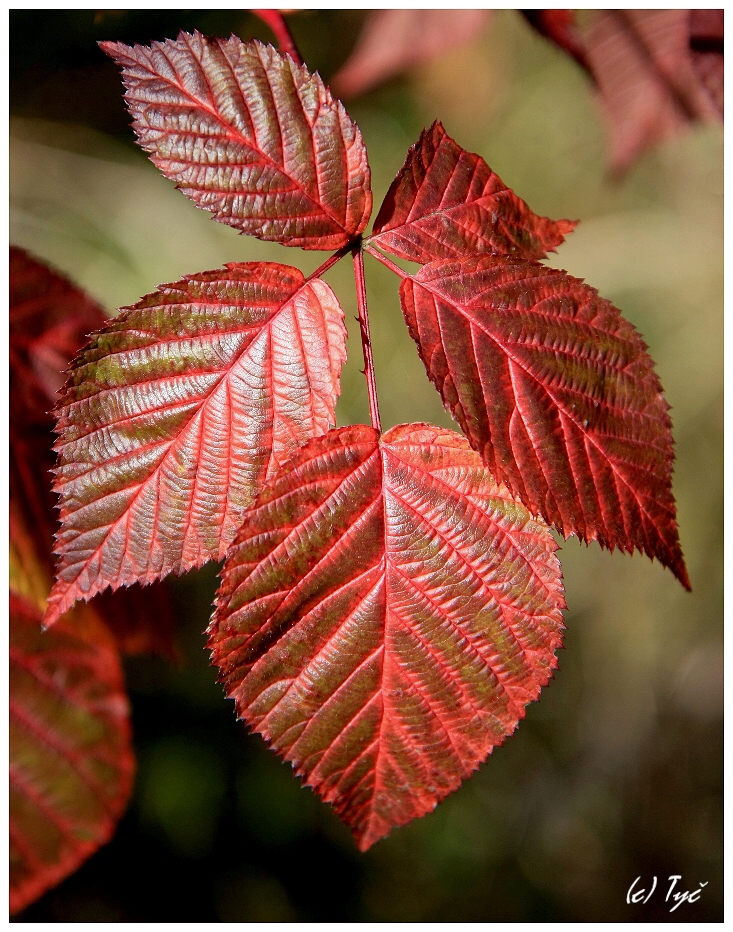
[(331, 261), (385, 261), (276, 22), (366, 343)]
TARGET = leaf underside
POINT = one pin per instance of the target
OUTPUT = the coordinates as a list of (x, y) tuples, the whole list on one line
[(555, 390), (386, 613), (250, 136), (175, 414), (71, 761), (446, 202)]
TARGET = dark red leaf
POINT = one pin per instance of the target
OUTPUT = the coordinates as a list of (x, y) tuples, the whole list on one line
[(706, 52), (71, 761), (649, 88), (395, 40), (50, 319), (249, 135), (555, 390), (175, 414), (386, 613), (446, 202), (560, 27)]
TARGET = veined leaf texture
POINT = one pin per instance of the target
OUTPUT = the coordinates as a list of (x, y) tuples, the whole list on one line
[(386, 613), (446, 202), (50, 319), (176, 413), (251, 136), (557, 392), (390, 602)]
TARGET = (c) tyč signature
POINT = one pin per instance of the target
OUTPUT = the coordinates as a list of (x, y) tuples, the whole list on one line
[(678, 898)]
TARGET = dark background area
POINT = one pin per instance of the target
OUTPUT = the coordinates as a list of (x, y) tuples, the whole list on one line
[(617, 771)]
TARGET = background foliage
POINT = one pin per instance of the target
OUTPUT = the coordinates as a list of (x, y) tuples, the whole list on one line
[(617, 772)]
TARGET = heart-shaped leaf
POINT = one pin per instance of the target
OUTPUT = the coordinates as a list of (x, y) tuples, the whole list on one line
[(555, 390), (386, 613), (446, 202), (251, 136), (176, 412), (71, 762)]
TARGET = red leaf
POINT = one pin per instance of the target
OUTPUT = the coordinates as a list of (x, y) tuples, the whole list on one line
[(706, 52), (555, 390), (386, 613), (446, 202), (395, 40), (71, 762), (175, 414), (49, 320), (559, 26), (646, 78), (247, 134)]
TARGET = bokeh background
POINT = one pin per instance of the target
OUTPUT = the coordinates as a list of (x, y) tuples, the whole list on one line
[(617, 771)]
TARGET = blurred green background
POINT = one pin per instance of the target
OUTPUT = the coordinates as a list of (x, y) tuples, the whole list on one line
[(617, 772)]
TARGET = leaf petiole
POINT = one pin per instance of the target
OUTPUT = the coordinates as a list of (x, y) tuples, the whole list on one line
[(366, 343), (276, 21), (385, 261)]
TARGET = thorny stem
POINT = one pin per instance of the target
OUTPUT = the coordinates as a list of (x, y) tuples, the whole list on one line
[(276, 21), (385, 261), (366, 343)]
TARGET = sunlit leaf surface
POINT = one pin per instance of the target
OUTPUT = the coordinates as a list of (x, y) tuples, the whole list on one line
[(386, 613)]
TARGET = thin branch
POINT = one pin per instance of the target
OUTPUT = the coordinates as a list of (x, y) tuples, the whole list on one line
[(366, 343), (385, 261), (331, 261), (276, 21)]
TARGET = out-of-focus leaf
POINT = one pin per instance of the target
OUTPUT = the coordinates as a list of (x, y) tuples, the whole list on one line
[(446, 202), (249, 135), (706, 51), (395, 40), (175, 414), (29, 576), (561, 28), (49, 319), (555, 390), (71, 762), (386, 613), (648, 85)]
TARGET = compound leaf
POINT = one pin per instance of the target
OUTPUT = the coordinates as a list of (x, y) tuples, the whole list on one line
[(71, 760), (446, 202), (251, 136), (555, 390), (174, 415), (386, 613)]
